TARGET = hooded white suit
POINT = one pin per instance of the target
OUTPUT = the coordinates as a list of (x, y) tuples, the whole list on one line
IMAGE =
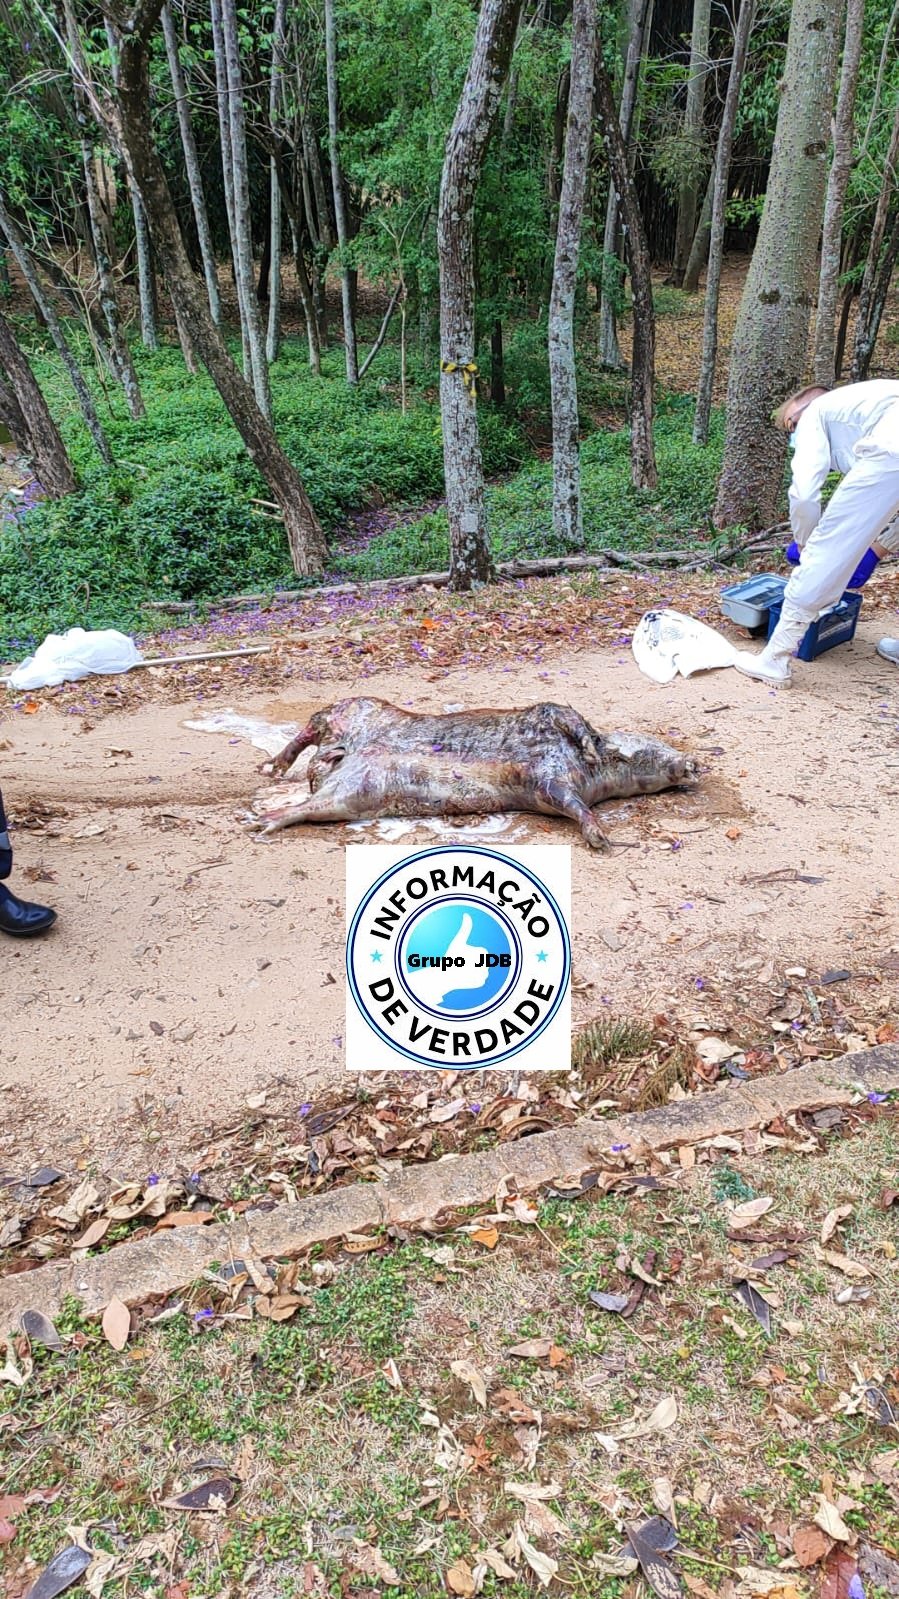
[(853, 430)]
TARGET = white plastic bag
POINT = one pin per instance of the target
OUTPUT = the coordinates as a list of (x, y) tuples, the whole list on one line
[(67, 657), (665, 643)]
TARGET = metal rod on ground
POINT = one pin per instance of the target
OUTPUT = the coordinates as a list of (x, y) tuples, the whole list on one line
[(206, 655)]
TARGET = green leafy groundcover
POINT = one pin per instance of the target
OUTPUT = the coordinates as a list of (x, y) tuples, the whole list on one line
[(175, 519)]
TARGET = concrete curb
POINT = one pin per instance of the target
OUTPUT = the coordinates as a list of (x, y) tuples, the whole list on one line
[(168, 1260)]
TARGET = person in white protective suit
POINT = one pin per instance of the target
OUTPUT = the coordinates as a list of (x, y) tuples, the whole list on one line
[(853, 430)]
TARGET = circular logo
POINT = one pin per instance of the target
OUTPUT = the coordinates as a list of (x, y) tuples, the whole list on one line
[(458, 958)]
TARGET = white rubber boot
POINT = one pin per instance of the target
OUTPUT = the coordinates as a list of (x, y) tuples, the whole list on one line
[(889, 649), (774, 663)]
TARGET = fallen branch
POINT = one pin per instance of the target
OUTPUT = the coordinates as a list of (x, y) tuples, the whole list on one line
[(204, 655)]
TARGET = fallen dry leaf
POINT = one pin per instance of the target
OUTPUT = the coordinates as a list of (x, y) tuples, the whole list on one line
[(460, 1579), (811, 1544), (488, 1237), (214, 1495), (543, 1566), (499, 1566), (832, 1221), (468, 1373), (849, 1268), (368, 1559), (663, 1416), (532, 1348), (93, 1234), (116, 1323), (750, 1210), (64, 1569), (828, 1518), (184, 1218)]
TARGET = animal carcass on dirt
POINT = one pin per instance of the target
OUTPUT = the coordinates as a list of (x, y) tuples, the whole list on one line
[(373, 759)]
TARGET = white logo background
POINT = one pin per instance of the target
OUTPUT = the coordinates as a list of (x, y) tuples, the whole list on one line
[(458, 957)]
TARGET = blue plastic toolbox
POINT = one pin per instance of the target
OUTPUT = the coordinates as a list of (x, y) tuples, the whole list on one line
[(837, 627)]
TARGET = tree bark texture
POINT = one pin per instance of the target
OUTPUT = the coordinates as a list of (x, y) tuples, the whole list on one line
[(867, 331), (192, 164), (146, 279), (305, 537), (837, 183), (699, 249), (864, 345), (347, 295), (273, 335), (471, 560), (643, 462), (242, 214), (224, 120), (29, 421), (639, 22), (771, 336), (719, 211), (568, 521), (692, 133), (47, 310)]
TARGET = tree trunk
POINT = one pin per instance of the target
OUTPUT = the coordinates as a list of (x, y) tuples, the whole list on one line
[(340, 214), (866, 332), (222, 98), (771, 338), (861, 354), (146, 278), (639, 22), (497, 364), (471, 560), (26, 411), (48, 312), (848, 265), (568, 519), (699, 249), (837, 183), (273, 336), (719, 211), (242, 213), (643, 461), (192, 165), (693, 118), (304, 534), (305, 287)]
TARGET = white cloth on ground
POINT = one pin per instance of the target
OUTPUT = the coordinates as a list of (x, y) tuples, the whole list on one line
[(667, 642)]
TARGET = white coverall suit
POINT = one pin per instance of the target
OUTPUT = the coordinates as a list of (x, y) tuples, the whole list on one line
[(854, 430)]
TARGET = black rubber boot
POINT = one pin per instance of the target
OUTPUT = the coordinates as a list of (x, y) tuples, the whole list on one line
[(22, 920), (5, 845)]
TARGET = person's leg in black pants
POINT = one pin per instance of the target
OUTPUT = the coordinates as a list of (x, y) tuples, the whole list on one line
[(17, 916)]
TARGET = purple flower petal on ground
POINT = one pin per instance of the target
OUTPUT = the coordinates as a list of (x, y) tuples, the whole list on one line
[(305, 1108), (617, 1148), (877, 1099), (856, 1589)]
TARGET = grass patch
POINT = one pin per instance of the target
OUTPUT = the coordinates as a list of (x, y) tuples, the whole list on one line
[(331, 1458)]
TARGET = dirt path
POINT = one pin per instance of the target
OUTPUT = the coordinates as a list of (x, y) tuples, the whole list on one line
[(193, 963)]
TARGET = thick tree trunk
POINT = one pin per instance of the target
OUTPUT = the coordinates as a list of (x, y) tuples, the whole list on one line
[(863, 349), (639, 22), (47, 311), (837, 183), (307, 544), (192, 165), (719, 209), (242, 215), (643, 461), (692, 133), (273, 335), (471, 560), (568, 520), (771, 337), (340, 212), (29, 421), (699, 249)]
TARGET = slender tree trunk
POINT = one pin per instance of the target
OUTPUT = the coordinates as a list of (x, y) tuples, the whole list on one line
[(866, 332), (27, 411), (146, 278), (497, 364), (639, 24), (222, 97), (837, 183), (644, 474), (187, 349), (242, 213), (305, 287), (850, 262), (471, 560), (134, 134), (568, 519), (699, 66), (273, 336), (771, 337), (719, 212), (699, 249), (340, 213), (54, 327), (861, 354), (192, 165)]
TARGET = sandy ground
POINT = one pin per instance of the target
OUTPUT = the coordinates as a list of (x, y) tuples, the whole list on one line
[(194, 963)]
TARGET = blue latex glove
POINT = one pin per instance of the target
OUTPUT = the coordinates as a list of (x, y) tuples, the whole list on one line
[(793, 553), (863, 571)]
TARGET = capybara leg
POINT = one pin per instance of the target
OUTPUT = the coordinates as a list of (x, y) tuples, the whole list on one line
[(563, 800), (300, 742)]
